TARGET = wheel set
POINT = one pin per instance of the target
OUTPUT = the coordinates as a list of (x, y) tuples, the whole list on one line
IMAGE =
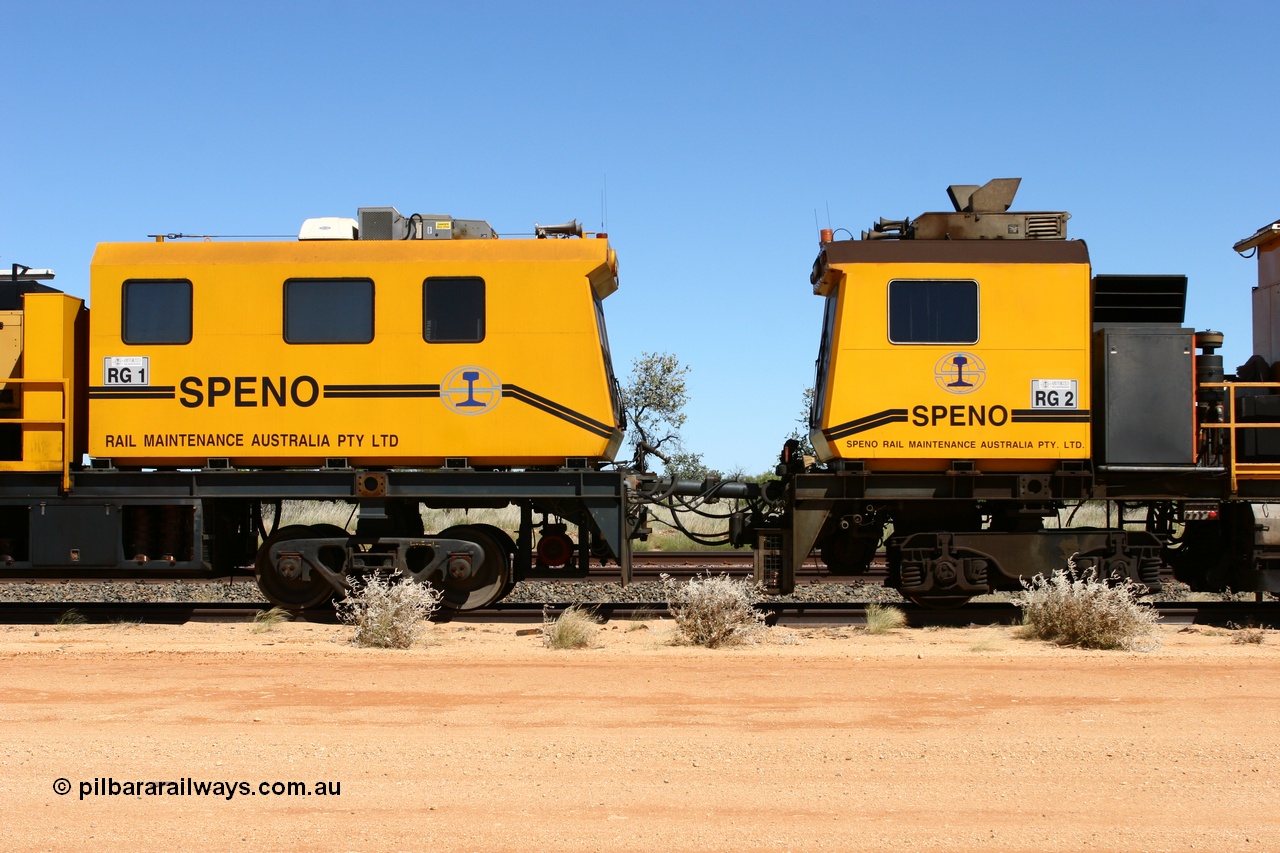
[(297, 572)]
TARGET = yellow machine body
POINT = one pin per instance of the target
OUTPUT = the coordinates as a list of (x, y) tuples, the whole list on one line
[(41, 387), (1009, 392), (532, 386)]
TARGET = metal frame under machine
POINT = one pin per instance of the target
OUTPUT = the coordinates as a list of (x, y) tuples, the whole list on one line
[(175, 524)]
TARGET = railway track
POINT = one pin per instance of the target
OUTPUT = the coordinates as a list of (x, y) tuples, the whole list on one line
[(646, 565), (795, 614)]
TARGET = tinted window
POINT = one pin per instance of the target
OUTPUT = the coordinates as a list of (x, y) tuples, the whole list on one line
[(453, 310), (614, 393), (823, 365), (328, 311), (156, 312), (933, 312)]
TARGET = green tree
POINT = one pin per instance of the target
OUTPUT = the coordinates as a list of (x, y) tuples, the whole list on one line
[(801, 431), (687, 465), (655, 395)]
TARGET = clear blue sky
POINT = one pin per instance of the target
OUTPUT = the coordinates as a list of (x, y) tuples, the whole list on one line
[(718, 129)]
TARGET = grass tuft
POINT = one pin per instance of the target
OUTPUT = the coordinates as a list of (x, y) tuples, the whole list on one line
[(1077, 609), (575, 628), (784, 638), (991, 641), (641, 617), (883, 618), (715, 611), (266, 620), (388, 612), (70, 618)]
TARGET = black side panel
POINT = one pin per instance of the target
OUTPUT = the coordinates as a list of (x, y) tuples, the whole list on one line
[(75, 536), (1144, 378), (1259, 445)]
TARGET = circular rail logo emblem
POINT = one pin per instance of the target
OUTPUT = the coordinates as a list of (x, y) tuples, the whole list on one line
[(471, 390), (960, 373)]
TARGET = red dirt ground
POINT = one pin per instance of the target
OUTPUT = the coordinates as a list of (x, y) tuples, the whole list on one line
[(947, 740)]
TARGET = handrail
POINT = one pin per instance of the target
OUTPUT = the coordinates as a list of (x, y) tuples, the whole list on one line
[(1234, 466), (63, 423)]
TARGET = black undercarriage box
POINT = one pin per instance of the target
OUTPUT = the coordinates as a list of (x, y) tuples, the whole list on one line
[(1259, 445)]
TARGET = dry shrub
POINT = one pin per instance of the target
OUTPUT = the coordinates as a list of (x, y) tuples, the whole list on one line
[(882, 618), (715, 611), (575, 628), (388, 611), (1247, 636), (1075, 608)]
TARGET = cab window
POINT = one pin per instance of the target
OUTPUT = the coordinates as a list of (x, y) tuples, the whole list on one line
[(615, 394), (328, 311), (823, 365), (156, 311), (453, 310), (933, 312)]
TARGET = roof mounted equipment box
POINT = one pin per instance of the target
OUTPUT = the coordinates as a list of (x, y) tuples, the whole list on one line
[(382, 223)]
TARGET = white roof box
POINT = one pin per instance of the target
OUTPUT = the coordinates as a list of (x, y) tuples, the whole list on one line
[(328, 228)]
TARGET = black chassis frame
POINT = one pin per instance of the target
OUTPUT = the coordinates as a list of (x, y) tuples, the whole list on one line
[(598, 500), (812, 498)]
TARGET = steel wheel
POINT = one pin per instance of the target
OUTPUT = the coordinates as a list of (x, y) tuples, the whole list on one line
[(290, 593), (508, 545), (488, 584), (502, 537)]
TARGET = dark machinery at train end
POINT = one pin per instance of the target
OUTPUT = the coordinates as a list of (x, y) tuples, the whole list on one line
[(987, 408)]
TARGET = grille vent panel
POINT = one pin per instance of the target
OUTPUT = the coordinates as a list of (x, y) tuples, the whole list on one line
[(1045, 228)]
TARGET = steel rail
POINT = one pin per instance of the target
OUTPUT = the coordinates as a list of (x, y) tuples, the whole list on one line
[(796, 614), (646, 565)]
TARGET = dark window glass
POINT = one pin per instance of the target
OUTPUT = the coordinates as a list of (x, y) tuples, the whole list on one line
[(453, 310), (328, 311), (823, 364), (615, 393), (933, 312), (156, 312)]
